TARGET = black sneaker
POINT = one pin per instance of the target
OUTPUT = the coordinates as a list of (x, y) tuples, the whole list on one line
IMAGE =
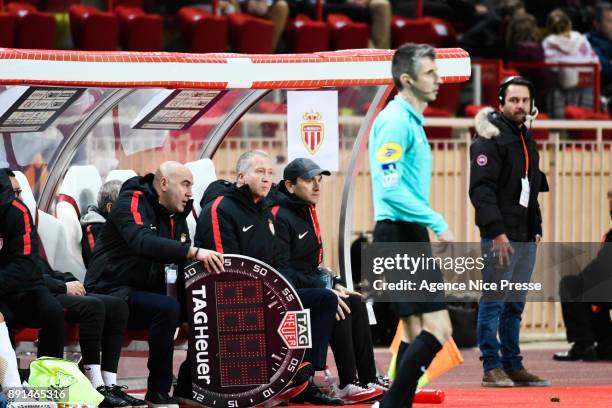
[(134, 402), (159, 400), (110, 399), (315, 396)]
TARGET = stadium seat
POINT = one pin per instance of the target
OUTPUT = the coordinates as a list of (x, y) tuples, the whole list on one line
[(249, 34), (92, 29), (33, 29), (78, 191), (59, 6), (120, 174), (582, 113), (203, 174), (346, 34), (438, 132), (202, 31), (448, 98), (428, 30), (7, 30), (139, 31), (304, 35)]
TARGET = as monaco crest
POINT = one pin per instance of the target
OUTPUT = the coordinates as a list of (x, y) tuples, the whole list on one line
[(312, 131)]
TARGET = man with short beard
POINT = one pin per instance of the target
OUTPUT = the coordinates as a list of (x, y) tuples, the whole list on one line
[(505, 180)]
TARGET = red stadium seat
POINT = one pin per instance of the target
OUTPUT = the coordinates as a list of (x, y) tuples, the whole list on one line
[(7, 30), (448, 98), (582, 113), (250, 35), (202, 31), (438, 132), (60, 6), (34, 29), (92, 29), (427, 30), (139, 31), (346, 34), (304, 35)]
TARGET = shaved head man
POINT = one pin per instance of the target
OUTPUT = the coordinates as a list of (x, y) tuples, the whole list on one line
[(144, 244)]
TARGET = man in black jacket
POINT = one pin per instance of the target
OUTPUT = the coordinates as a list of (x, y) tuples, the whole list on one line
[(93, 221), (236, 218), (505, 181), (24, 299), (587, 324), (141, 249), (298, 234)]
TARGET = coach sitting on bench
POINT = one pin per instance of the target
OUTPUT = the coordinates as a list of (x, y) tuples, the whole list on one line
[(142, 247), (24, 299), (236, 219)]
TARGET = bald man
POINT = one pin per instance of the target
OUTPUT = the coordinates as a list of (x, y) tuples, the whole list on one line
[(143, 246)]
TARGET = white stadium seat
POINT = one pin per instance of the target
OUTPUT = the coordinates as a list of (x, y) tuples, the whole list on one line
[(203, 171), (120, 174), (78, 191)]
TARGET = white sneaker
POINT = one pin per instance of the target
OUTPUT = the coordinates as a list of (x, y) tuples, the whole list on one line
[(381, 382), (354, 393)]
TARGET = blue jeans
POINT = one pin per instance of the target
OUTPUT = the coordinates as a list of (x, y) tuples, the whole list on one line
[(503, 316)]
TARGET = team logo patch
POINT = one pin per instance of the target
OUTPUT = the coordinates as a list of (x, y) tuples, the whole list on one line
[(312, 131), (390, 174), (481, 160), (389, 152)]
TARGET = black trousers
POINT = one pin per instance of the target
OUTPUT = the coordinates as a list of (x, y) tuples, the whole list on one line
[(323, 304), (37, 308), (351, 343), (102, 321), (582, 324)]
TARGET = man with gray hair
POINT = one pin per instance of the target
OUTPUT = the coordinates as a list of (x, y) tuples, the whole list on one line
[(93, 221), (142, 246), (236, 218), (401, 167)]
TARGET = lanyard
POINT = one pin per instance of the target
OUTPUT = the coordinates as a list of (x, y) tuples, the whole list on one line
[(526, 155), (315, 224)]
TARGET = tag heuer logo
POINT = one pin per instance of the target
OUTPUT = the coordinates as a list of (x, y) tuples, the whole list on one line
[(295, 329), (312, 131)]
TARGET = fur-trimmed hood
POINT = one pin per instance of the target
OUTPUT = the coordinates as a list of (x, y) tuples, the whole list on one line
[(484, 127)]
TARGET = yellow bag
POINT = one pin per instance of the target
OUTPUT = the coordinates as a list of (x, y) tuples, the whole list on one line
[(59, 374)]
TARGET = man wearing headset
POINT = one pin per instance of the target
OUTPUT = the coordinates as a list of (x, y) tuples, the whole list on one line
[(505, 180)]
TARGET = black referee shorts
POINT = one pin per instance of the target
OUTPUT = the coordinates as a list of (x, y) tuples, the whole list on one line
[(400, 231)]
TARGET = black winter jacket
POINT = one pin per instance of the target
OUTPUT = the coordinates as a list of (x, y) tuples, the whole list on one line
[(139, 237), (497, 167), (18, 245), (55, 281), (231, 223), (296, 236), (91, 226)]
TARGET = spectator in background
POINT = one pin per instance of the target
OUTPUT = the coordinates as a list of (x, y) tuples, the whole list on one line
[(93, 221), (486, 39), (563, 45), (524, 43), (375, 12), (600, 39)]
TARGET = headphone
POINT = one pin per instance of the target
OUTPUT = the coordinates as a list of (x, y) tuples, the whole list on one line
[(519, 80)]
